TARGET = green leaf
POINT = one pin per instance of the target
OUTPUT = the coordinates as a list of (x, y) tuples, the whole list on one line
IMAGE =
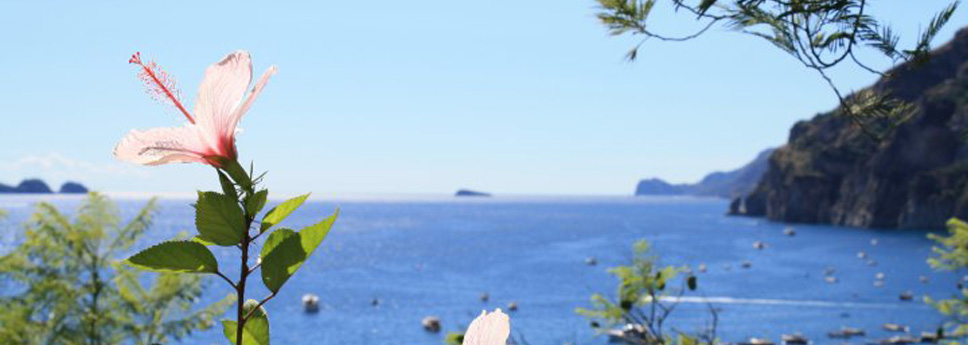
[(237, 173), (256, 328), (227, 186), (280, 212), (219, 219), (176, 256), (285, 251), (202, 241), (282, 255), (256, 202)]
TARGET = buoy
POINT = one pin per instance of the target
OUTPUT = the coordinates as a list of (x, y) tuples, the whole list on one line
[(310, 303), (431, 324)]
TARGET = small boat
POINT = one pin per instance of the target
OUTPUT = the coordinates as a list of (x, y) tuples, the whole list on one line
[(906, 296), (874, 242), (923, 279), (861, 255), (846, 332), (829, 271), (759, 245), (757, 341), (893, 327), (879, 276), (629, 334), (789, 231), (830, 280), (871, 262), (794, 339), (431, 324), (898, 340), (878, 283), (513, 306), (485, 297), (746, 264), (930, 337), (702, 268), (310, 303), (591, 261)]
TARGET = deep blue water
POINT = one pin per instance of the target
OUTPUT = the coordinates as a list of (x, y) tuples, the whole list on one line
[(428, 256)]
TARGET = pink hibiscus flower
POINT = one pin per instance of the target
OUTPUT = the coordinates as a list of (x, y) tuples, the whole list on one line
[(209, 135)]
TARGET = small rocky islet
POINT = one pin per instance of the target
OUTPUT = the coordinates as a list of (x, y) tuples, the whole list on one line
[(38, 186)]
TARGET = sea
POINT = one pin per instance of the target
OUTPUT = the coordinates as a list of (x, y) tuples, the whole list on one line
[(391, 261)]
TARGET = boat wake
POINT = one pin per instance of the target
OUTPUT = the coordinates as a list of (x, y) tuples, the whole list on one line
[(788, 302)]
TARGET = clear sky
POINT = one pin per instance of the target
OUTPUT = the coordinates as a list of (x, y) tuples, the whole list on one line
[(522, 97)]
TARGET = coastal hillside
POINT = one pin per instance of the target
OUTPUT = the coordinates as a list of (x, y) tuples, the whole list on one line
[(916, 177), (725, 184)]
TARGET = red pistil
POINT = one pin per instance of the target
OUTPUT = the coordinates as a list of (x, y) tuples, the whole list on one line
[(159, 83)]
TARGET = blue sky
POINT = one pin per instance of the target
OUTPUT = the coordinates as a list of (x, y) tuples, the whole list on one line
[(521, 97)]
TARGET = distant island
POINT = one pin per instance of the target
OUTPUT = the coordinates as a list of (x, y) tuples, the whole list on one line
[(724, 184), (38, 186), (468, 192)]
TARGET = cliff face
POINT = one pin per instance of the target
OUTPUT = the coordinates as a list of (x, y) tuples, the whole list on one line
[(725, 184), (829, 172)]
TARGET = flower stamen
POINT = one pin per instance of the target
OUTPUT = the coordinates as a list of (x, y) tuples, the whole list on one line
[(159, 84)]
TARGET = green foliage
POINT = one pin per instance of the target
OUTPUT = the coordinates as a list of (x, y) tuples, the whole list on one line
[(279, 213), (644, 300), (820, 34), (227, 219), (952, 255), (176, 256), (219, 219), (454, 338), (256, 329), (285, 251), (63, 288)]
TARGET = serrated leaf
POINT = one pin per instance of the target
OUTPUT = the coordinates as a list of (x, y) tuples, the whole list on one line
[(219, 219), (176, 256), (256, 328), (280, 212), (282, 255), (256, 202), (285, 251)]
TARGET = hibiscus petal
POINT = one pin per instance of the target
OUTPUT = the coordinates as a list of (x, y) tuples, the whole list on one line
[(488, 329), (237, 116), (220, 94), (162, 145)]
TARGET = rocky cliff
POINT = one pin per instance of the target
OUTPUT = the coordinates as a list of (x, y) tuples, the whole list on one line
[(916, 177), (726, 184)]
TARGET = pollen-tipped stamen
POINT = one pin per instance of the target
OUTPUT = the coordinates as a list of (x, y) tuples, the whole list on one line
[(159, 83)]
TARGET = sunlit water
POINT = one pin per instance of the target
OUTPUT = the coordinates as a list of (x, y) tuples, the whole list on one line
[(427, 256)]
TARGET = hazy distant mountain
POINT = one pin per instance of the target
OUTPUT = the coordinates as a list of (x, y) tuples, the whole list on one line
[(38, 186), (725, 184)]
